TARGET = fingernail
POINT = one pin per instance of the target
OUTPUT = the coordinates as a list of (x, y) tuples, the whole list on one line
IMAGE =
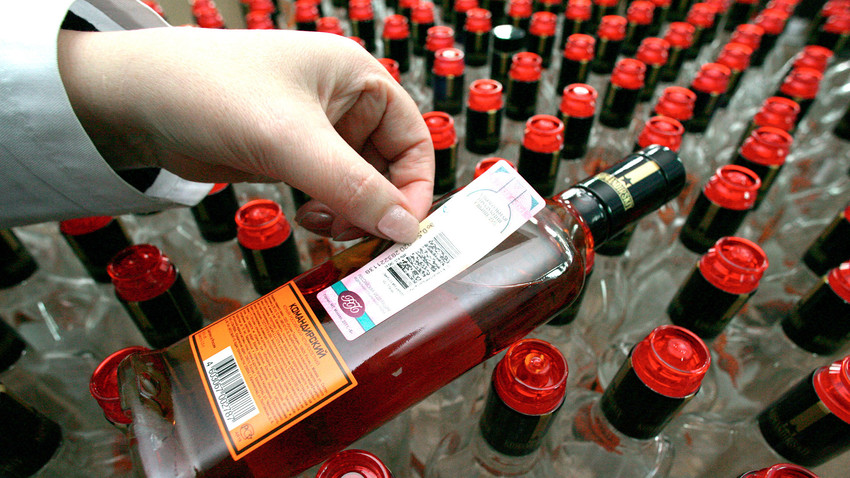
[(399, 225), (316, 221), (349, 234)]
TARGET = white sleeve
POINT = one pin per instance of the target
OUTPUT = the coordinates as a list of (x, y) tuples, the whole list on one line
[(49, 168)]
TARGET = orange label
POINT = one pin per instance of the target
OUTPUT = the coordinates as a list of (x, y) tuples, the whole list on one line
[(266, 367)]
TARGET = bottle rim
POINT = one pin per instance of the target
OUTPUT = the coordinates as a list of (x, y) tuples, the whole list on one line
[(767, 146), (839, 281), (84, 225), (482, 166), (579, 47), (532, 377), (354, 462), (629, 73), (422, 13), (653, 51), (832, 386), (526, 66), (438, 37), (396, 27), (578, 10), (392, 67), (736, 56), (141, 272), (802, 83), (772, 20), (449, 62), (661, 130), (680, 35), (778, 112), (478, 20), (578, 101), (734, 265), (441, 125), (260, 224), (733, 187), (781, 470), (485, 95), (640, 12), (612, 28), (330, 25), (543, 24), (543, 134), (519, 8), (701, 15), (104, 386), (676, 102), (671, 361)]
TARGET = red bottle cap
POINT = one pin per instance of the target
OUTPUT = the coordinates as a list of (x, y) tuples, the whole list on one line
[(260, 6), (155, 6), (201, 4), (306, 11), (407, 4), (801, 83), (676, 102), (260, 224), (720, 6), (209, 17), (661, 130), (463, 6), (832, 7), (735, 55), (606, 3), (838, 24), (487, 163), (653, 51), (578, 10), (360, 10), (640, 12), (392, 67), (579, 47), (832, 385), (422, 13), (526, 66), (329, 25), (748, 34), (104, 387), (733, 187), (141, 272), (579, 101), (629, 74), (662, 3), (746, 2), (84, 225), (358, 40), (839, 281), (782, 470), (701, 15), (778, 112), (256, 20), (396, 28), (767, 146), (671, 361), (815, 57), (519, 8), (680, 35), (786, 6), (448, 62), (772, 20), (734, 265), (485, 95), (354, 464), (439, 37), (478, 20), (712, 78), (532, 377), (442, 128), (612, 28), (543, 134), (551, 2), (543, 24)]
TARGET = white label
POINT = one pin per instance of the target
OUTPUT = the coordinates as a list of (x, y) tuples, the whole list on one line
[(462, 231)]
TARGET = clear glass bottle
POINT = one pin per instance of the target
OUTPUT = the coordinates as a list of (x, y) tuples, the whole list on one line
[(268, 245), (94, 241)]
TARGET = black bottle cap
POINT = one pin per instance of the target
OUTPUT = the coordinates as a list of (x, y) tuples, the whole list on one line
[(508, 38), (11, 346)]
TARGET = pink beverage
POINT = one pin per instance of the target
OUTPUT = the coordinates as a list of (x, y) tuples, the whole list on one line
[(533, 274), (354, 464)]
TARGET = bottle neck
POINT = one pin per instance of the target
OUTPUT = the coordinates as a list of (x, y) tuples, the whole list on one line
[(591, 425), (501, 464)]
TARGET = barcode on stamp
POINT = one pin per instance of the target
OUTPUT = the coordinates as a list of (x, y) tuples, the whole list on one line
[(229, 389), (421, 263)]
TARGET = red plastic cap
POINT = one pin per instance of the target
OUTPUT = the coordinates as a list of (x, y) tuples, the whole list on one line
[(640, 12), (360, 10), (839, 281), (628, 73), (676, 102), (735, 55), (551, 2), (786, 6), (606, 3), (519, 9), (392, 67), (526, 66), (448, 62), (832, 385), (772, 20), (485, 95), (306, 11), (671, 361), (578, 10), (261, 6), (580, 47), (746, 2), (155, 6), (84, 225), (407, 4), (260, 224), (439, 37), (815, 57), (487, 163), (104, 387), (543, 24), (543, 134), (767, 146), (734, 265), (733, 187), (422, 13), (847, 213), (255, 20), (802, 83), (209, 17), (838, 24), (662, 3), (661, 130), (748, 34), (579, 101), (478, 20), (778, 112), (442, 128), (701, 15), (782, 470), (354, 464), (712, 78), (358, 40), (653, 51), (396, 27), (329, 25), (141, 272), (720, 6), (680, 35), (612, 28), (463, 6), (532, 377)]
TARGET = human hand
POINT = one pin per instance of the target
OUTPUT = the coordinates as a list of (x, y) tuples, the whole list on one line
[(313, 110)]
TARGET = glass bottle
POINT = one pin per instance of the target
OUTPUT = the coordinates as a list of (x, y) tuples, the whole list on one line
[(740, 12), (735, 56), (438, 37), (801, 85), (538, 271), (461, 7), (654, 53), (478, 32), (576, 111), (772, 21), (575, 65), (519, 14), (609, 41), (621, 97), (659, 17), (421, 19), (639, 16), (541, 36), (527, 389), (508, 40), (94, 241), (396, 35), (484, 117), (576, 20), (523, 85), (702, 16), (361, 17), (764, 153), (831, 247), (448, 80), (306, 15), (267, 244), (354, 464), (540, 154), (214, 214), (600, 9), (680, 36), (442, 128)]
